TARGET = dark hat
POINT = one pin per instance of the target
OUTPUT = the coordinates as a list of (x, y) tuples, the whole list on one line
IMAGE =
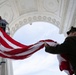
[(73, 29), (3, 22)]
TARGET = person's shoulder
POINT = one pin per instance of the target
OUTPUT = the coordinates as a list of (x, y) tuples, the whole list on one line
[(71, 38)]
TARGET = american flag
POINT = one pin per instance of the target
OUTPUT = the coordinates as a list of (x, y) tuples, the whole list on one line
[(10, 48)]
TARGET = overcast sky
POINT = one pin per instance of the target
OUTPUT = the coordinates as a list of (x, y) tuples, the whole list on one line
[(40, 63)]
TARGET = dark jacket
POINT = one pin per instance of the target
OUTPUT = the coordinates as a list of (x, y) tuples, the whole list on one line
[(68, 47)]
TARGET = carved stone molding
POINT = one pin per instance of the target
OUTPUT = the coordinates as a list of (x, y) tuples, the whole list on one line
[(2, 1), (20, 22), (6, 12), (25, 6), (51, 5)]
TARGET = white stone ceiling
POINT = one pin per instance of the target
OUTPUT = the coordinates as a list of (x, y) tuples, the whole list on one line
[(20, 12)]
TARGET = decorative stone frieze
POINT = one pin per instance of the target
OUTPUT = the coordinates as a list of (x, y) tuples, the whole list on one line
[(14, 27)]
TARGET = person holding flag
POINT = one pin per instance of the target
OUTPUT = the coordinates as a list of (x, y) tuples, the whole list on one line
[(67, 48), (3, 23)]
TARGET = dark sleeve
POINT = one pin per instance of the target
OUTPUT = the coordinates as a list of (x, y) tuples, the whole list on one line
[(65, 47)]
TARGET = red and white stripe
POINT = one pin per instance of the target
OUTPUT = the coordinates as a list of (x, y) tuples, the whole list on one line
[(9, 48)]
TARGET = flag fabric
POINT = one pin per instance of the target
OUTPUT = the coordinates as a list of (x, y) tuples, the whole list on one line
[(10, 48)]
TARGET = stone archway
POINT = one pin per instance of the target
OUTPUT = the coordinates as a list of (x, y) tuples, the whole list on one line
[(30, 18)]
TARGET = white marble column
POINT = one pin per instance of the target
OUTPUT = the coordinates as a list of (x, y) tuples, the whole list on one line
[(6, 68)]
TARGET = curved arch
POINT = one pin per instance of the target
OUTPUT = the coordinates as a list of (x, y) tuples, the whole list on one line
[(33, 17)]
